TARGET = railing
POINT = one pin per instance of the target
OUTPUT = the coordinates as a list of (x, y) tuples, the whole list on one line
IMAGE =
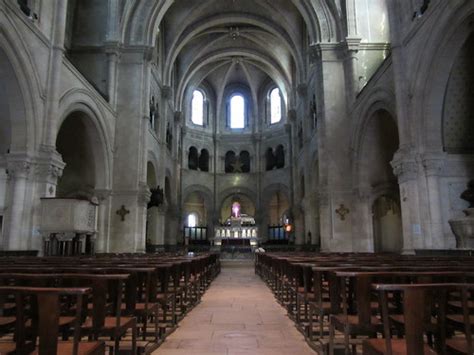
[(236, 232), (277, 233), (195, 233)]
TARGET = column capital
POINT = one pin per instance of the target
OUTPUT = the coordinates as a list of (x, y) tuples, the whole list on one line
[(302, 89), (19, 169), (352, 44), (433, 164), (143, 195), (49, 165), (166, 92), (324, 52), (405, 165)]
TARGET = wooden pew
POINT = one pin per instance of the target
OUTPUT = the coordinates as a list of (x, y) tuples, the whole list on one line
[(46, 312), (421, 302)]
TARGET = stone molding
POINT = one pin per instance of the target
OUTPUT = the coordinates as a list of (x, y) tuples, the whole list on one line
[(405, 165), (19, 169), (433, 165), (143, 195)]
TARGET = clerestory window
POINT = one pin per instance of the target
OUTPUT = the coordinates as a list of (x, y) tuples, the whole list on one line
[(275, 106), (237, 112), (197, 108)]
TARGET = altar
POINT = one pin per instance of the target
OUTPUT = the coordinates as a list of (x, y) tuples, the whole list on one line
[(238, 230)]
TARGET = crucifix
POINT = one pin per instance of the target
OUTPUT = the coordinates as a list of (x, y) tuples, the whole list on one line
[(122, 212), (342, 211)]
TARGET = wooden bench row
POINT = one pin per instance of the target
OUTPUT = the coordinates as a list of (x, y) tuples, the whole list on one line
[(126, 298), (333, 301)]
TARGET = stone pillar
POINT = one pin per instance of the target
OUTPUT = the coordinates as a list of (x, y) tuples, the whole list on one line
[(299, 221), (324, 220), (333, 147), (352, 72), (55, 70), (130, 158), (19, 175), (362, 222), (103, 220), (405, 168), (433, 168), (159, 237), (112, 60), (48, 168), (143, 198)]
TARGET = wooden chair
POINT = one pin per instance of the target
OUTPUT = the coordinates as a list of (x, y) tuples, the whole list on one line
[(46, 323), (415, 298)]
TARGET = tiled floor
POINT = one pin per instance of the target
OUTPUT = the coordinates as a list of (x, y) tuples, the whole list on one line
[(238, 315)]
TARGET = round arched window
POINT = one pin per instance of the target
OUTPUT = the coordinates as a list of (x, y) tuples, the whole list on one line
[(275, 106), (197, 108), (192, 220), (237, 112)]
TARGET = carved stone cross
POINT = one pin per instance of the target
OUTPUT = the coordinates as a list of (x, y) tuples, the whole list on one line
[(237, 165), (342, 211), (122, 212)]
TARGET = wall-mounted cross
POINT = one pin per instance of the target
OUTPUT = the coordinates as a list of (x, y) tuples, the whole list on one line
[(122, 212), (342, 211)]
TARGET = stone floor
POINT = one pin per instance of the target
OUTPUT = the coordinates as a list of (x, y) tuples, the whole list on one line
[(238, 315)]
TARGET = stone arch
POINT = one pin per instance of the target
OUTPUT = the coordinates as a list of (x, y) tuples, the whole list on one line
[(142, 22), (269, 65), (20, 90), (221, 19), (206, 196), (271, 189), (82, 149), (380, 135), (381, 101), (80, 102), (380, 226), (432, 71), (223, 195), (193, 158), (153, 160)]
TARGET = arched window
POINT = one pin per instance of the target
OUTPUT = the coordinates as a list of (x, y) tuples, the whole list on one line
[(197, 108), (269, 159), (245, 161), (280, 157), (230, 160), (237, 112), (275, 106), (204, 160), (193, 158), (192, 220)]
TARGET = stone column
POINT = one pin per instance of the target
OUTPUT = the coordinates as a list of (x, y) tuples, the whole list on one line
[(48, 168), (102, 241), (159, 237), (130, 158), (299, 222), (324, 220), (433, 168), (143, 198), (362, 222), (333, 146), (405, 168), (54, 73), (19, 175), (352, 72), (112, 52)]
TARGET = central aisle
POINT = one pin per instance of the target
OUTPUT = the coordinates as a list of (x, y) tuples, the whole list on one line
[(237, 315)]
